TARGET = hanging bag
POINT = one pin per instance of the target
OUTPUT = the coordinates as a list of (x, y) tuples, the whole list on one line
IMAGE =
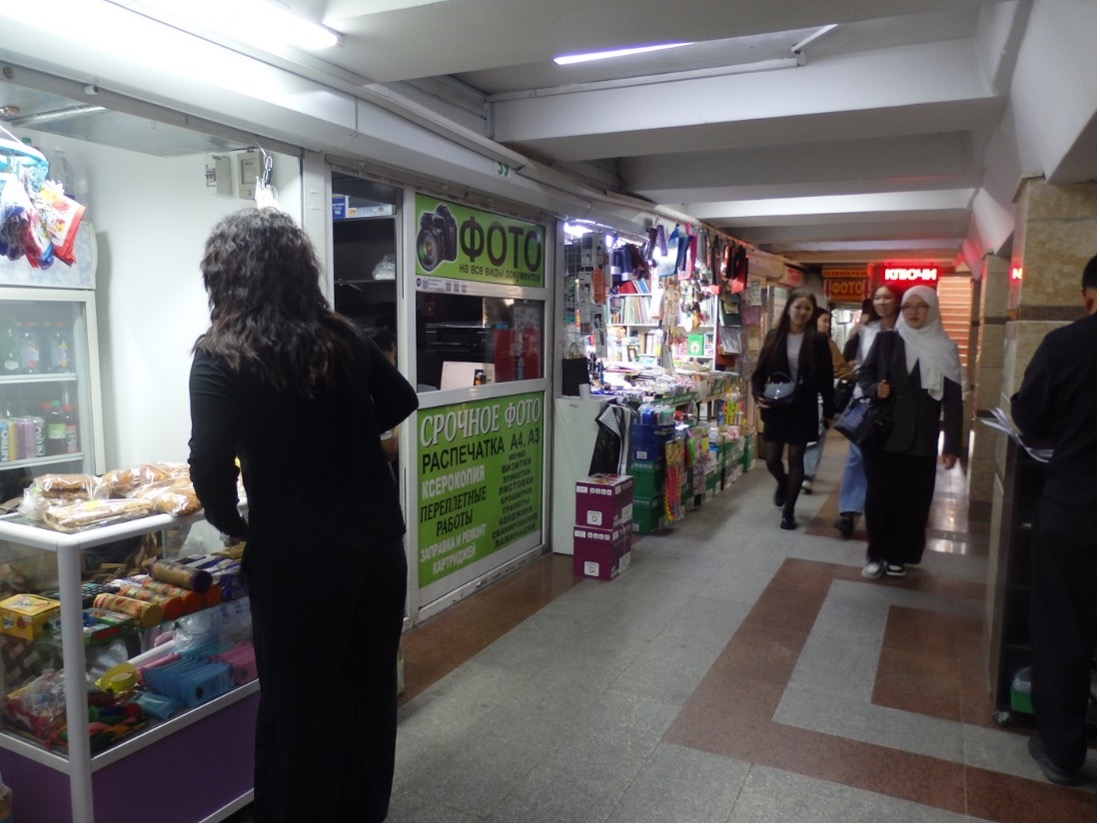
[(864, 423), (779, 390)]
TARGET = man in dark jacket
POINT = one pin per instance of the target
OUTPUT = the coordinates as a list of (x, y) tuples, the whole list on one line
[(1057, 402)]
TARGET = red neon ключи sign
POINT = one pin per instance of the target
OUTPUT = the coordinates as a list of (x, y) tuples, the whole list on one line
[(900, 273)]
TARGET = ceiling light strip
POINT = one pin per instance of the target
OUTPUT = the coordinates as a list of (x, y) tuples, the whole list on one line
[(649, 80), (570, 59)]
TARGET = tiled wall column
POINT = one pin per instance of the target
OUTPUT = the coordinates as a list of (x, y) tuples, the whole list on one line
[(1054, 237), (988, 369)]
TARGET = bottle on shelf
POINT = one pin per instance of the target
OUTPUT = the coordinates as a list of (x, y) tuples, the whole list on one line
[(59, 349), (30, 350), (72, 428), (9, 351), (55, 428)]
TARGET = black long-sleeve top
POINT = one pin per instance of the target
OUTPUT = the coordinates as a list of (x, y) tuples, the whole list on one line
[(304, 461), (1056, 403), (914, 414)]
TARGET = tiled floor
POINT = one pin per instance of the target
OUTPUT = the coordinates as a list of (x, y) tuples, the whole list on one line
[(735, 672)]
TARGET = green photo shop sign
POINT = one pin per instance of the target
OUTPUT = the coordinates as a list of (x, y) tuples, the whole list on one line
[(455, 241), (479, 479)]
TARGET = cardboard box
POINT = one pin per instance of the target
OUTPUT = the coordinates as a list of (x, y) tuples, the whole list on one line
[(649, 515), (649, 478), (601, 554), (25, 615), (604, 501)]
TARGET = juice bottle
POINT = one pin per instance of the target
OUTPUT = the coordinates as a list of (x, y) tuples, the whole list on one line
[(30, 353), (9, 351), (59, 348), (72, 428), (55, 428)]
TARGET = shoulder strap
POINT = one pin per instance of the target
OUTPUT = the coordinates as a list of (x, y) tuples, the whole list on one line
[(886, 341)]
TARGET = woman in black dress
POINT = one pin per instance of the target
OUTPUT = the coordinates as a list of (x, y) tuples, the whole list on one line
[(300, 396), (797, 350)]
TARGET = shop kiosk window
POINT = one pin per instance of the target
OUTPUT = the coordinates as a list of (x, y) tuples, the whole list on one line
[(468, 340)]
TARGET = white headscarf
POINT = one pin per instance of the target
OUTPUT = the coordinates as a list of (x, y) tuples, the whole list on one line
[(929, 345)]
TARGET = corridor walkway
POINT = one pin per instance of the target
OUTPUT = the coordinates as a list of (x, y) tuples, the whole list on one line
[(735, 672)]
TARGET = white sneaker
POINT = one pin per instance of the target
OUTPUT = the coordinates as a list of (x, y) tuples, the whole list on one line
[(895, 571), (874, 569), (808, 486)]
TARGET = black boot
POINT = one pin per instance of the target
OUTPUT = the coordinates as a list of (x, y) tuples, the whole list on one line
[(846, 524), (787, 522)]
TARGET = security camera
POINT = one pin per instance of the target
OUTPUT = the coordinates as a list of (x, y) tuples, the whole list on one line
[(91, 89)]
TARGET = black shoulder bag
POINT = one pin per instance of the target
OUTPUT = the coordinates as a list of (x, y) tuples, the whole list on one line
[(864, 423)]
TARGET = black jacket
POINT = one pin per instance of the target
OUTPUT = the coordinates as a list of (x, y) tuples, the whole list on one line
[(1056, 402), (914, 414), (306, 463), (815, 376)]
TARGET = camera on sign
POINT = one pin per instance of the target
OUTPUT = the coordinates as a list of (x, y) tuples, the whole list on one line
[(437, 240)]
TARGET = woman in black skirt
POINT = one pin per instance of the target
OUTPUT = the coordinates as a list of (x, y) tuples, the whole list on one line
[(796, 350)]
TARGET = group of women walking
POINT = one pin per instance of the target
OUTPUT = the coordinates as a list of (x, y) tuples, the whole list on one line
[(906, 365)]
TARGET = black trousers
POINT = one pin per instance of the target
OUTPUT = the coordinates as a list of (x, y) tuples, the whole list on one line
[(899, 497), (1063, 627), (326, 622)]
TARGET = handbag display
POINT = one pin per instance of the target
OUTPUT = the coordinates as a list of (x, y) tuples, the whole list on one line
[(779, 390), (864, 424)]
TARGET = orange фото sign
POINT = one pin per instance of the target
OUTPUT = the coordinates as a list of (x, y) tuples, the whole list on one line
[(846, 290)]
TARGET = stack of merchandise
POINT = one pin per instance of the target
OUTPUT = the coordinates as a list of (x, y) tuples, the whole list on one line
[(648, 468), (601, 528)]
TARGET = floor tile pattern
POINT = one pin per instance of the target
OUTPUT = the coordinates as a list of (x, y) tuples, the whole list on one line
[(735, 672)]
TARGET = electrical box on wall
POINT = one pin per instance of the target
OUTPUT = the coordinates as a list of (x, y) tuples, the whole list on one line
[(219, 174), (250, 167)]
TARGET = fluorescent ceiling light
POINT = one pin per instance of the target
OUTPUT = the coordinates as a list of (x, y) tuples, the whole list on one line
[(569, 59), (258, 22)]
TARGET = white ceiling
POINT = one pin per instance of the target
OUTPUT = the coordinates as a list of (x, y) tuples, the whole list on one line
[(901, 132), (877, 146)]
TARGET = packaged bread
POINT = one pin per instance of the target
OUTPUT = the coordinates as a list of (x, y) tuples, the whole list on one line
[(125, 479), (175, 496), (70, 518), (70, 486), (59, 488)]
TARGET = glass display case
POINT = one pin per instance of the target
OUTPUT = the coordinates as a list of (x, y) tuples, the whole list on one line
[(72, 745)]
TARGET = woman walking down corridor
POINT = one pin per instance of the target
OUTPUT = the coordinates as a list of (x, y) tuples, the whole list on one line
[(853, 484), (796, 350), (916, 371), (823, 322)]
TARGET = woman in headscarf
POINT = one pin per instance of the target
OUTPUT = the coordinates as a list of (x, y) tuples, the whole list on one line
[(917, 372)]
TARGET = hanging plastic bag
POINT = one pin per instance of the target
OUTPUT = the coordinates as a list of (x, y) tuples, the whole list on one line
[(14, 216), (61, 216)]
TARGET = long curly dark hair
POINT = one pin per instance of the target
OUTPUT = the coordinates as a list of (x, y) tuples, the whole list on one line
[(267, 312)]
